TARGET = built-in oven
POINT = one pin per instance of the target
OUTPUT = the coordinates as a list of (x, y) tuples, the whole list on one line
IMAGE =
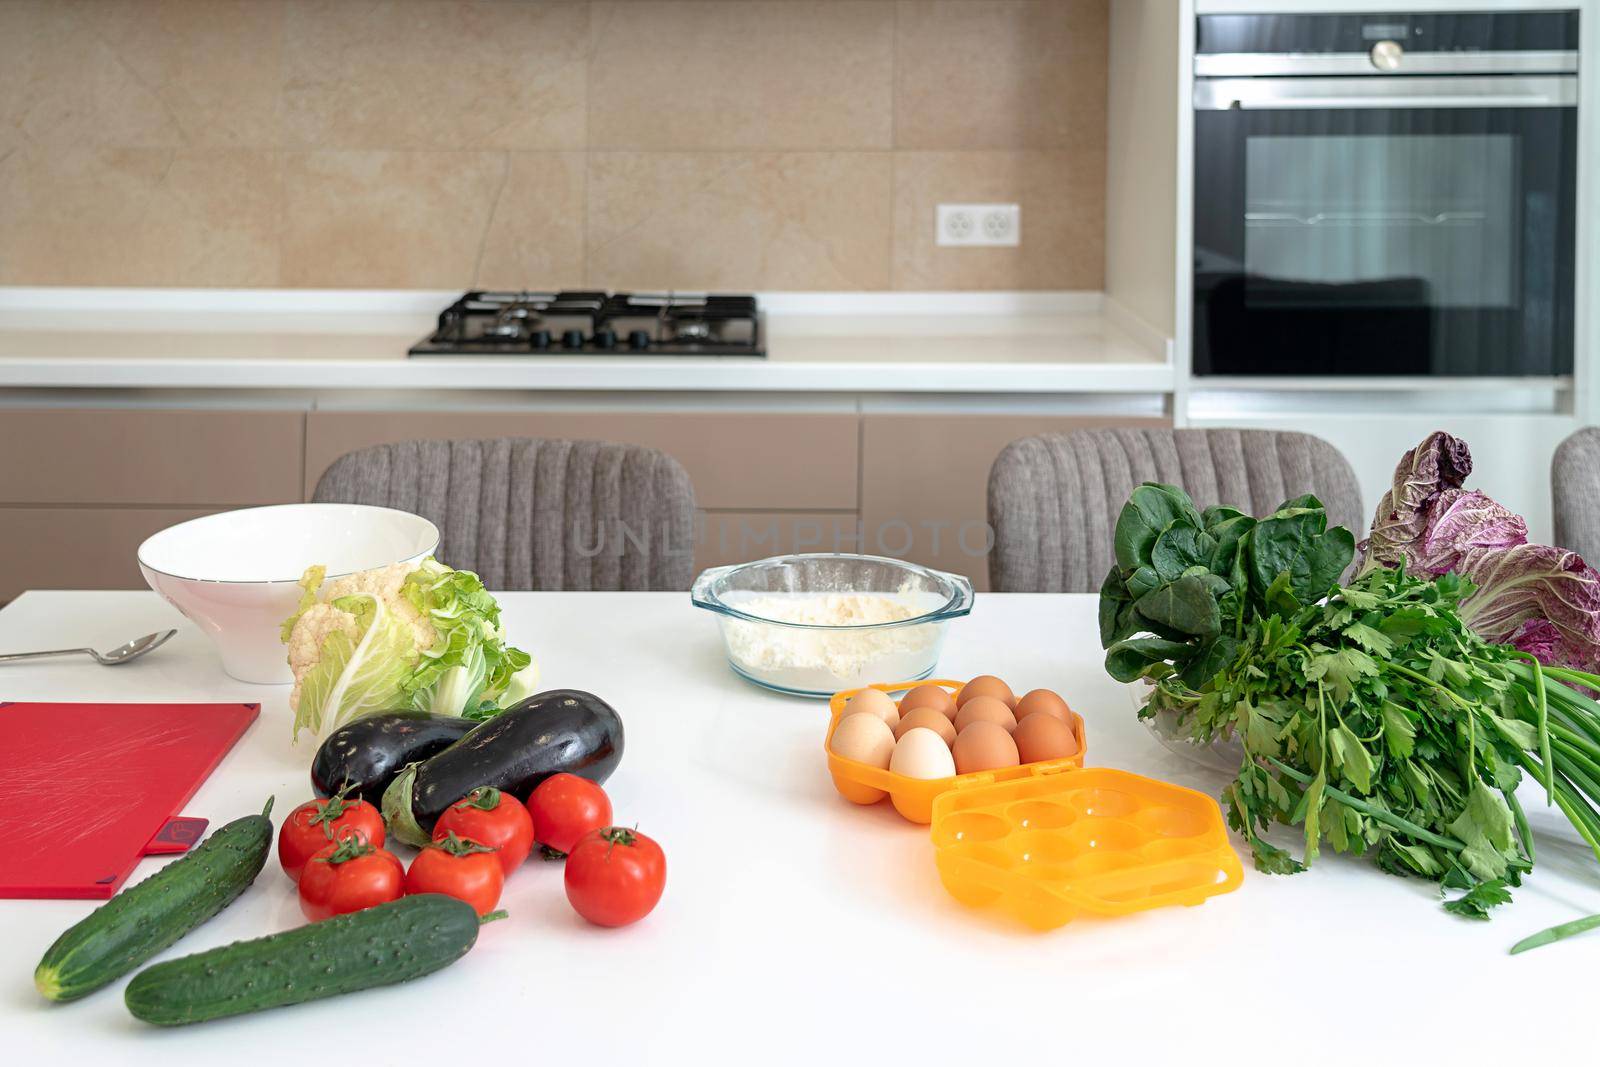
[(1385, 194)]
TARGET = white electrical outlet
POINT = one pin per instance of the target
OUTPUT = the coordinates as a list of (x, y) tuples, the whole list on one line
[(991, 225)]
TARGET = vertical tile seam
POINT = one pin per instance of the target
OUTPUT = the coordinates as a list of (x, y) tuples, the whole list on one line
[(588, 136)]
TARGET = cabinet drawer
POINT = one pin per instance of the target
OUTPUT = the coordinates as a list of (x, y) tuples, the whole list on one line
[(925, 482), (78, 548), (750, 461), (150, 457)]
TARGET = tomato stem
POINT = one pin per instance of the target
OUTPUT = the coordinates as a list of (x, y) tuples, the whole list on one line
[(459, 846), (352, 843), (331, 811), (484, 798)]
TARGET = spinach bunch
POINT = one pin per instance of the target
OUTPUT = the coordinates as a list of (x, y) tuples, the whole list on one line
[(1193, 579), (1371, 716)]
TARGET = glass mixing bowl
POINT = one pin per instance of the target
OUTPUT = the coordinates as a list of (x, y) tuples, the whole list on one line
[(815, 623)]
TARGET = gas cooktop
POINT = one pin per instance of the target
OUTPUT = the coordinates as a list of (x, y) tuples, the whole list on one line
[(590, 323)]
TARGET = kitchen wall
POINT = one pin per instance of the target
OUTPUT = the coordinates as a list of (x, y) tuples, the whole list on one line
[(791, 144)]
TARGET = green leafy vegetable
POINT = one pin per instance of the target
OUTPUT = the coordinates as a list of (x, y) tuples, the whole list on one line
[(1371, 716)]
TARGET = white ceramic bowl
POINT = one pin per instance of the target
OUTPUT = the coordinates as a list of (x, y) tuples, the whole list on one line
[(235, 574)]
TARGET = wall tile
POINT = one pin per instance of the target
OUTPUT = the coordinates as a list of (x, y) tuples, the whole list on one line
[(403, 74), (215, 66), (139, 216), (770, 220), (445, 143), (62, 83), (800, 74), (387, 220), (1063, 225), (535, 233), (1001, 74)]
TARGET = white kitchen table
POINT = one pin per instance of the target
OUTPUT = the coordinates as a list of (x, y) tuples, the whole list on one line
[(797, 927)]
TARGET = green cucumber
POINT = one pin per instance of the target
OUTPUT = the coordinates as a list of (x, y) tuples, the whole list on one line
[(385, 944), (143, 919)]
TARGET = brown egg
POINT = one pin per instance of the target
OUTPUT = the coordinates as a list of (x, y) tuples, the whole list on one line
[(874, 702), (929, 696), (863, 737), (985, 709), (983, 746), (987, 685), (928, 719), (1043, 700), (1041, 737)]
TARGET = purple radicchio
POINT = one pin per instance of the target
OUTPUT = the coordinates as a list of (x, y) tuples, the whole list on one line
[(1439, 463), (1524, 592), (1540, 599)]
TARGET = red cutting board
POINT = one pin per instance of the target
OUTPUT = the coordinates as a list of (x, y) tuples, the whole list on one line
[(85, 788)]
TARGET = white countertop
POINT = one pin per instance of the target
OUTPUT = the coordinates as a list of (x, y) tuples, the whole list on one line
[(905, 343), (797, 928)]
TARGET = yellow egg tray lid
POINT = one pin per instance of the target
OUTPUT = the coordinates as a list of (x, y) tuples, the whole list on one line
[(1053, 844)]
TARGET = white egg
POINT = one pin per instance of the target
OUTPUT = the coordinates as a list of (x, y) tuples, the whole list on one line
[(865, 738), (921, 753)]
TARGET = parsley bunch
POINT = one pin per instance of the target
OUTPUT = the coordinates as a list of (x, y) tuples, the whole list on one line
[(1370, 715)]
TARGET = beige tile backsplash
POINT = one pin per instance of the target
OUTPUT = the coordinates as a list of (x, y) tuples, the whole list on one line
[(749, 144)]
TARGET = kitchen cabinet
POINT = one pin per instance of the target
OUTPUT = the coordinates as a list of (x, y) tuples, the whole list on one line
[(925, 481), (750, 461), (90, 484), (150, 457), (78, 547), (82, 487)]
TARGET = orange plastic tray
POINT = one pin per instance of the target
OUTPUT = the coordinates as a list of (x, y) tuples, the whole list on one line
[(914, 797), (1049, 846)]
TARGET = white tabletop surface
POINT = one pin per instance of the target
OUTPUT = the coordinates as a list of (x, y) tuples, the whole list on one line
[(799, 928)]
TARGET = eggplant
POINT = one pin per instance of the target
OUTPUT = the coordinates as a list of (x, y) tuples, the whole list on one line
[(366, 753), (563, 730)]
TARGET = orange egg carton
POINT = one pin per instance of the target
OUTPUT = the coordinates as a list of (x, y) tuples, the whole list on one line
[(914, 797), (1047, 847)]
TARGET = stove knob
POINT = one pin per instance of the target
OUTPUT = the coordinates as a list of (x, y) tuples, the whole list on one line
[(539, 339), (639, 339), (605, 339), (572, 339), (1386, 55)]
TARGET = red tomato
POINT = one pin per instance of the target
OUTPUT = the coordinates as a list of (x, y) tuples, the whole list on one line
[(349, 876), (458, 868), (564, 808), (491, 818), (615, 876), (316, 824)]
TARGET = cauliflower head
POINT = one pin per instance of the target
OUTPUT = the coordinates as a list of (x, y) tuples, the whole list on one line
[(409, 635)]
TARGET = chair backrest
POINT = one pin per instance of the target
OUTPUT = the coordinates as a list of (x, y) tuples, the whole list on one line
[(1054, 498), (1575, 493), (531, 513)]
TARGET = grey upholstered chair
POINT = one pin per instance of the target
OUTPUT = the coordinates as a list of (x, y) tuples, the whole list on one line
[(529, 513), (1054, 499), (1575, 492)]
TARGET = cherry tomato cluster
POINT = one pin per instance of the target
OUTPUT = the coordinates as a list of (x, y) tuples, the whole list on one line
[(614, 876)]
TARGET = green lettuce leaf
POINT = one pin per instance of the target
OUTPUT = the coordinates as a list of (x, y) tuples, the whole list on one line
[(469, 661), (355, 677)]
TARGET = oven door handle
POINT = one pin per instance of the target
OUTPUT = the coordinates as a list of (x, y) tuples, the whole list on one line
[(1323, 94)]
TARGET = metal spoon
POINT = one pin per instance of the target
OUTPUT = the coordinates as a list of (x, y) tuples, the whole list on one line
[(115, 658)]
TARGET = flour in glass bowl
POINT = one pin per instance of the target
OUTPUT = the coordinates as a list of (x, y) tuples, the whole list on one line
[(832, 659)]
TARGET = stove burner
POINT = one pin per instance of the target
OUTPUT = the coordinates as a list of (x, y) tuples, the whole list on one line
[(692, 330), (592, 323), (509, 329)]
